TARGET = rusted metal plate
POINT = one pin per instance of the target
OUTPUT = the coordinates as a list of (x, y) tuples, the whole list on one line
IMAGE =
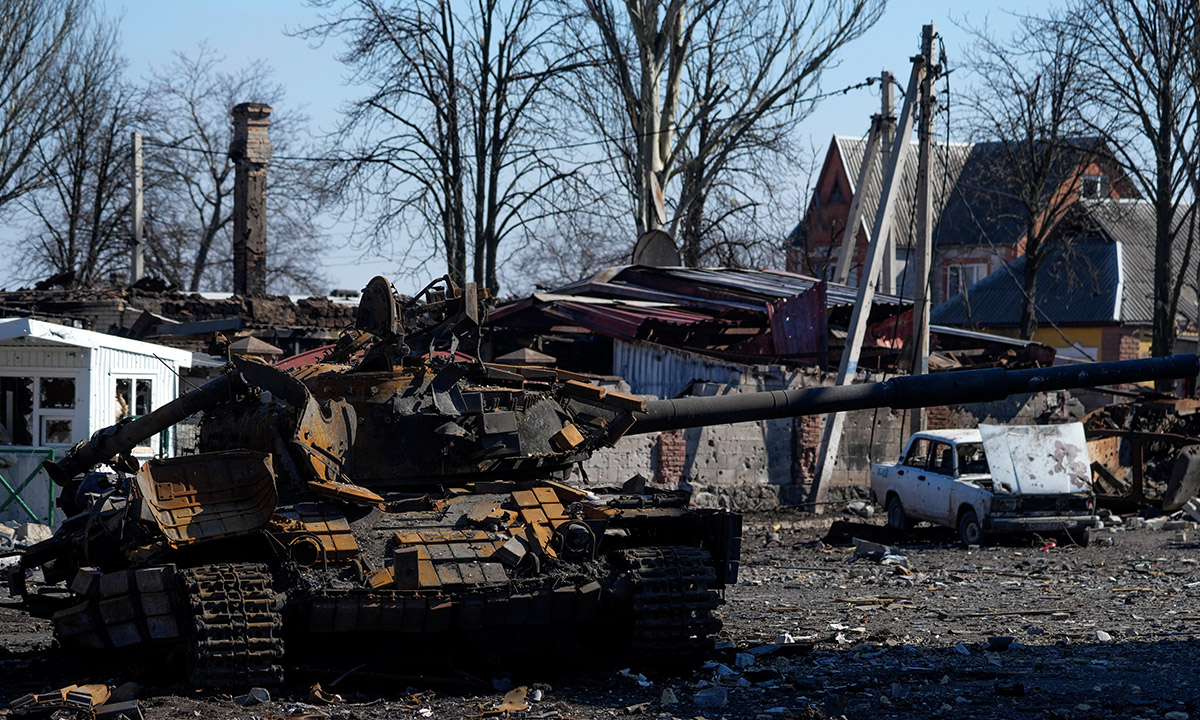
[(210, 495), (567, 439), (525, 498), (584, 390), (345, 491), (798, 324)]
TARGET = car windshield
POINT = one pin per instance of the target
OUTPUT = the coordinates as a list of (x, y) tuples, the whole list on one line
[(971, 460)]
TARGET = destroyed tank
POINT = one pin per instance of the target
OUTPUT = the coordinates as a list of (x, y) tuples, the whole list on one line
[(403, 493)]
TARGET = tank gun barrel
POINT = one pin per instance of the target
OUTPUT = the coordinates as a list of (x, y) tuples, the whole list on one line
[(903, 392), (123, 437)]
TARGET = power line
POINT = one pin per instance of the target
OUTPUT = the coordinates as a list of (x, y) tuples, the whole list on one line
[(565, 146)]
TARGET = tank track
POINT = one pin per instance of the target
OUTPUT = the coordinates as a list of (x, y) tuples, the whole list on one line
[(672, 605), (236, 627)]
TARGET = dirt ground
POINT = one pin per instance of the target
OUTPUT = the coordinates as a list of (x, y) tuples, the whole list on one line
[(1104, 631)]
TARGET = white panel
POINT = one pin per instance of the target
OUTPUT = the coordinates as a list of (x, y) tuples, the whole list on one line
[(29, 355)]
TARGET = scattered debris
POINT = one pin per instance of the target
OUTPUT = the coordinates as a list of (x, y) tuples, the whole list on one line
[(883, 554), (318, 695), (76, 699), (711, 697), (999, 643), (515, 700), (256, 696), (862, 509), (639, 678)]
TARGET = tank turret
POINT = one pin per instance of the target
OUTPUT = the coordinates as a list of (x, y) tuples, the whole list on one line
[(400, 489)]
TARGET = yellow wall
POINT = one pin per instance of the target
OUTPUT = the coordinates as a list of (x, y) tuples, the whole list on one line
[(1088, 337)]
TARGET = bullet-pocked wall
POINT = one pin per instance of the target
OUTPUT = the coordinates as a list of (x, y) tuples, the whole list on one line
[(756, 465)]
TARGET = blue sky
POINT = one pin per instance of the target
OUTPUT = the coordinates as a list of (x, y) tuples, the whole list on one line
[(244, 31)]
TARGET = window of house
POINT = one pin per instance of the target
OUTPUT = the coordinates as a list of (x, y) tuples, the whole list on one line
[(960, 276), (57, 393), (134, 397), (56, 431), (1094, 186)]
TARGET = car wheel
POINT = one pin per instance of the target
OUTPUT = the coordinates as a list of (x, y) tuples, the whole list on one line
[(896, 517), (970, 532)]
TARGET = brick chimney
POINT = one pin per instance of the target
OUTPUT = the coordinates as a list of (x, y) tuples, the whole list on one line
[(250, 151)]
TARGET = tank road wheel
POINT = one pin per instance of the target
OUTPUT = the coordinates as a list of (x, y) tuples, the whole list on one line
[(970, 532), (235, 626), (672, 621), (896, 517)]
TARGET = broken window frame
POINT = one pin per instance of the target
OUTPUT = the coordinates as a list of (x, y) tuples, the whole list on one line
[(39, 416)]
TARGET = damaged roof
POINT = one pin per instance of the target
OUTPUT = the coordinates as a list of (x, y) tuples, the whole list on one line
[(748, 316)]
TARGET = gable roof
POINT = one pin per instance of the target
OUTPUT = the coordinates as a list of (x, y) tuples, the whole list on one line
[(974, 198), (1103, 275)]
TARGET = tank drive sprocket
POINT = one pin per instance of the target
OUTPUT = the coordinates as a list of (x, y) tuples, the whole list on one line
[(236, 626), (672, 604)]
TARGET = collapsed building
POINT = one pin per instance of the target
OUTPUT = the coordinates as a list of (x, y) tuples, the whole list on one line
[(670, 332)]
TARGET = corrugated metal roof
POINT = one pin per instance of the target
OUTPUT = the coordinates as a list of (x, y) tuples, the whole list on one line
[(1132, 223), (948, 162)]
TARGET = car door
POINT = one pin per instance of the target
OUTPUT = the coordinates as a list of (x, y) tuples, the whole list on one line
[(911, 475), (935, 483)]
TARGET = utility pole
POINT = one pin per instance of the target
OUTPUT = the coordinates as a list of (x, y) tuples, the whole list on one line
[(137, 261), (924, 238), (831, 435), (887, 284), (883, 127)]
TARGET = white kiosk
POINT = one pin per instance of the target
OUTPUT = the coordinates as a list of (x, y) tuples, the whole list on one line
[(60, 384)]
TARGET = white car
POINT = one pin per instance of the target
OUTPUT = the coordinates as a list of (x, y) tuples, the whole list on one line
[(995, 479)]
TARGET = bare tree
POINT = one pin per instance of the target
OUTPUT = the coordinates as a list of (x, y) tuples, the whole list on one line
[(80, 211), (36, 42), (189, 178), (454, 136), (1139, 53), (694, 87), (1026, 106)]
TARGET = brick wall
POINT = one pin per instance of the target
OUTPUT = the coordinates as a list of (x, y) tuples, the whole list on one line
[(670, 458), (1118, 343)]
